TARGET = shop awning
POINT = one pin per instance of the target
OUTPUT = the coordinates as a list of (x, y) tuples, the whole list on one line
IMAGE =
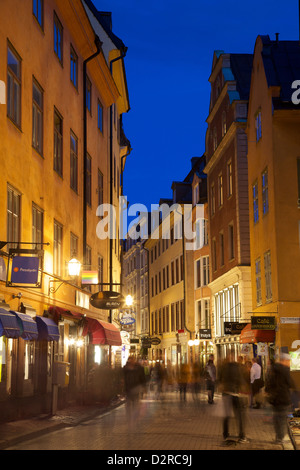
[(47, 328), (102, 332), (58, 312), (8, 324), (256, 336), (27, 325)]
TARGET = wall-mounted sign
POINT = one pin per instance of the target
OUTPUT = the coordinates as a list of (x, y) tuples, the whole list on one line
[(205, 333), (233, 328), (107, 300), (156, 341), (263, 323), (23, 271)]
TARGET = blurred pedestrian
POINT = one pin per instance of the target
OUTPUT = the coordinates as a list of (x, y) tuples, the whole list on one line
[(256, 381), (211, 379), (279, 385), (132, 381), (232, 383), (196, 378), (183, 379)]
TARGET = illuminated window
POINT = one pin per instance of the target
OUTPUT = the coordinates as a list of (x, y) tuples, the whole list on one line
[(258, 281)]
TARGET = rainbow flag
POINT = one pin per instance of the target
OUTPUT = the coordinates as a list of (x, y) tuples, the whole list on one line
[(89, 277)]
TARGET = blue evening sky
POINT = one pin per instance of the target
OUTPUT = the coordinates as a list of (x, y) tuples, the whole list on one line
[(168, 63)]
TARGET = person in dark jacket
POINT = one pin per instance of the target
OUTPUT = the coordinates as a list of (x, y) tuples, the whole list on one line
[(232, 382), (279, 385)]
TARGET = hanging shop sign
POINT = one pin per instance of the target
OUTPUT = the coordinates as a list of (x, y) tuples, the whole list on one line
[(246, 349), (262, 349), (205, 333), (233, 328), (155, 341), (146, 343), (24, 271), (107, 300), (127, 318), (263, 323)]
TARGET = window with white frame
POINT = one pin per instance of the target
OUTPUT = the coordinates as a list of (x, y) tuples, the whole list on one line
[(258, 281), (268, 275), (203, 314), (202, 272), (227, 307), (201, 229)]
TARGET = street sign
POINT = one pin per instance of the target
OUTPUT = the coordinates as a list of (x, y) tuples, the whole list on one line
[(107, 300), (126, 318)]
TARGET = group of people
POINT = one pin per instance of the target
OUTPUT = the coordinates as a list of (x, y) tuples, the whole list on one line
[(234, 385), (240, 384)]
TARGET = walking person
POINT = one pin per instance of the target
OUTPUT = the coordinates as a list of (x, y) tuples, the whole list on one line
[(211, 379), (256, 383), (279, 385), (232, 382)]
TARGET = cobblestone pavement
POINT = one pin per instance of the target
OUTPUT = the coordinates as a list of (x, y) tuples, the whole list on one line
[(158, 425)]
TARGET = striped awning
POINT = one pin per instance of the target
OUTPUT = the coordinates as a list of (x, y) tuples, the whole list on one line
[(47, 328), (8, 324), (27, 325)]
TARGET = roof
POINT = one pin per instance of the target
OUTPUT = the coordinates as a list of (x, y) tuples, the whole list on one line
[(105, 20), (241, 67), (282, 66)]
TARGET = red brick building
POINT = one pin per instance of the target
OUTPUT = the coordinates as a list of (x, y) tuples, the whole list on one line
[(226, 156)]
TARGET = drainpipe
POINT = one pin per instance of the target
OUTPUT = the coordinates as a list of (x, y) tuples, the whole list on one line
[(98, 44)]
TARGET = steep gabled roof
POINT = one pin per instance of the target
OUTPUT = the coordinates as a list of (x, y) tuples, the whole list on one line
[(282, 66)]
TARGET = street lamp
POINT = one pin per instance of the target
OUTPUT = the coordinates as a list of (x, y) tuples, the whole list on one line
[(74, 267), (129, 300)]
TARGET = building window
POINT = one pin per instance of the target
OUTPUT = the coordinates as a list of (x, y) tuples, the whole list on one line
[(74, 162), (57, 249), (13, 86), (230, 241), (229, 179), (258, 281), (265, 198), (73, 246), (220, 189), (58, 143), (221, 240), (100, 188), (212, 200), (13, 216), (255, 202), (268, 277), (214, 254), (224, 127), (258, 126), (58, 38), (37, 9), (203, 314), (88, 98), (201, 233), (74, 67), (298, 176), (88, 180), (37, 227), (197, 274), (37, 117), (100, 116), (215, 139), (202, 272), (100, 272)]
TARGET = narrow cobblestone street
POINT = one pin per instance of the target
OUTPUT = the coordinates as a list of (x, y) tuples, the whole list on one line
[(157, 425)]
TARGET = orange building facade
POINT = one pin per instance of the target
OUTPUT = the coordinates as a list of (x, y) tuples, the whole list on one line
[(55, 172)]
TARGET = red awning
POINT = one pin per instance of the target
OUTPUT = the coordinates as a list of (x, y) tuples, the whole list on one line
[(102, 332), (256, 336), (58, 312)]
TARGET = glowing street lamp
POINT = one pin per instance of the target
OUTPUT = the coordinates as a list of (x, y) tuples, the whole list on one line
[(129, 301), (74, 267)]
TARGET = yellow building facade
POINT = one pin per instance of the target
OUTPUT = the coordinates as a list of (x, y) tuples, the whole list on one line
[(273, 156), (45, 199)]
